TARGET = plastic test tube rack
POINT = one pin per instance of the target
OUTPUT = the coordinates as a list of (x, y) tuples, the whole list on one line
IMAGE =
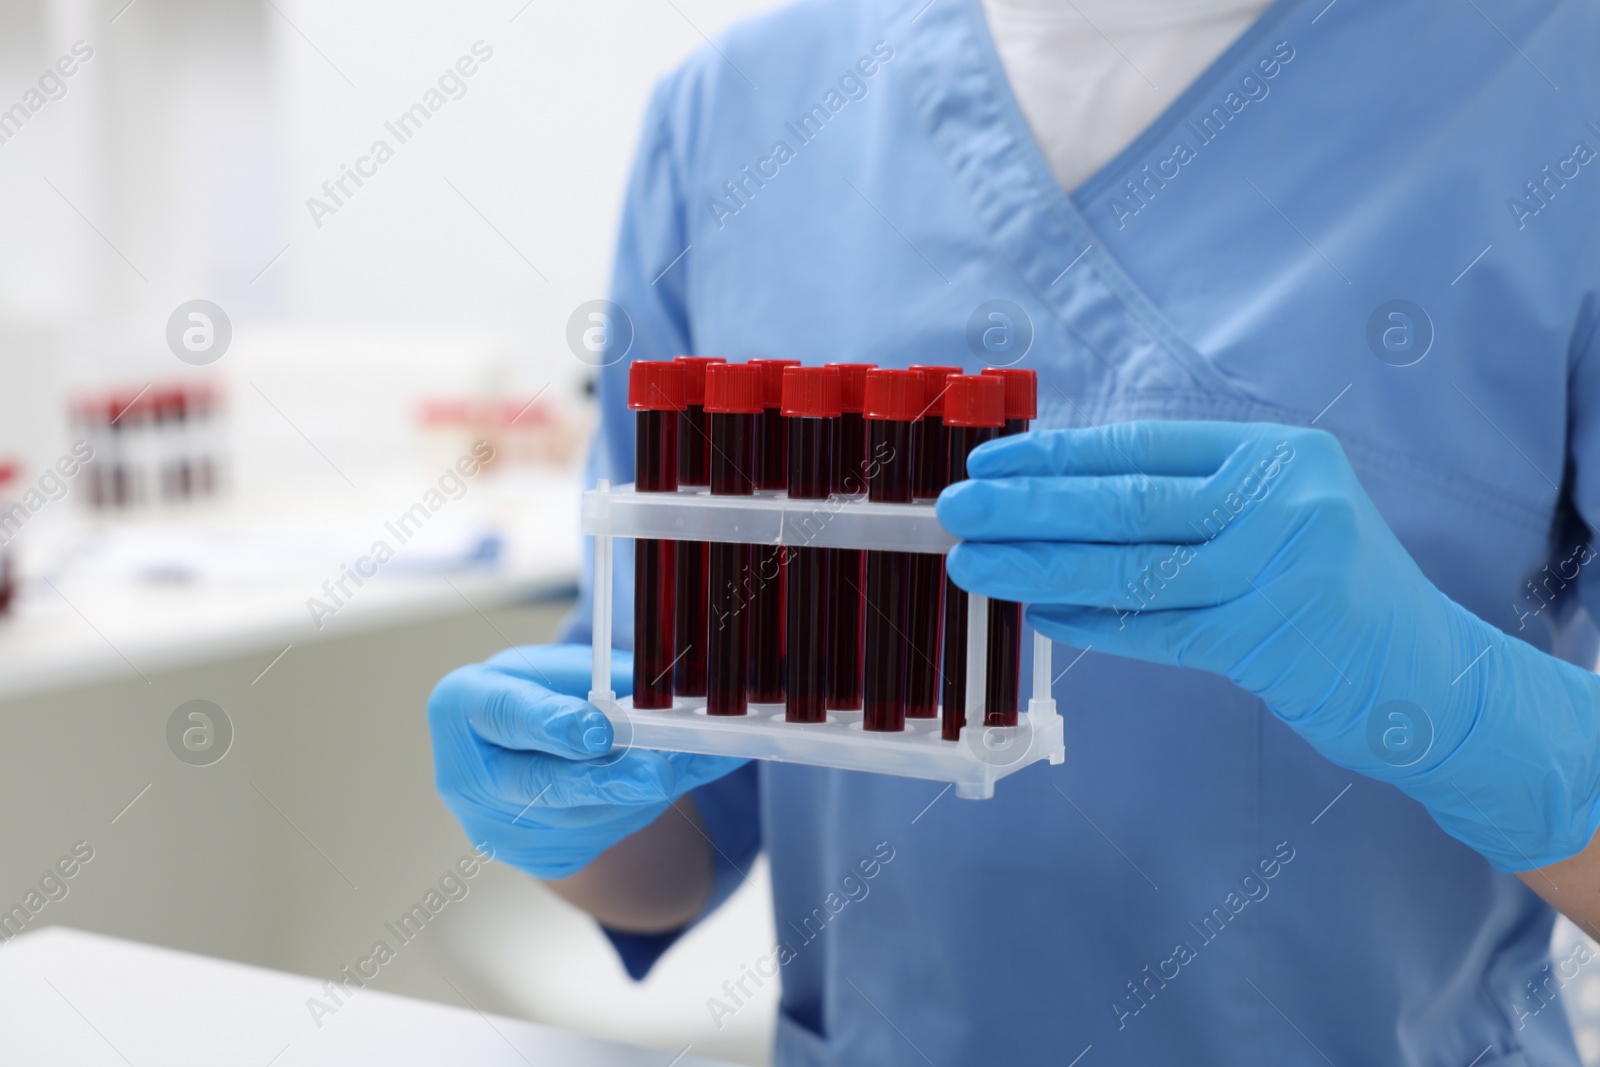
[(983, 756)]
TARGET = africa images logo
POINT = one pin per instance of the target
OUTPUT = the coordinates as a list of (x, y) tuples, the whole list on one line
[(1149, 180)]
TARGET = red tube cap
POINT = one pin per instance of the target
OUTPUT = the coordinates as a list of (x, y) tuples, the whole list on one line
[(852, 384), (772, 379), (655, 385), (933, 387), (893, 395), (1022, 391), (811, 392), (975, 400), (694, 376), (733, 389)]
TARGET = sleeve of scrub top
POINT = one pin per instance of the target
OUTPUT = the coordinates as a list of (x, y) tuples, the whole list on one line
[(652, 236)]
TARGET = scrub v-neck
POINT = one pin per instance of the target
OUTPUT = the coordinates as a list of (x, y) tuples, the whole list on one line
[(959, 87)]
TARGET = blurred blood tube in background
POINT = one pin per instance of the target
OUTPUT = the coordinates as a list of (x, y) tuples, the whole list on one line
[(655, 393), (732, 401), (689, 629), (1005, 617), (974, 412), (10, 476), (929, 471), (847, 566), (811, 409), (892, 405), (767, 597)]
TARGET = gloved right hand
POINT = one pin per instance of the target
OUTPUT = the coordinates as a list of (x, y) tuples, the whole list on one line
[(527, 766)]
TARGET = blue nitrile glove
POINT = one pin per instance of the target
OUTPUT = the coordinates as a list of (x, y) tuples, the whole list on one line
[(526, 764), (1251, 551)]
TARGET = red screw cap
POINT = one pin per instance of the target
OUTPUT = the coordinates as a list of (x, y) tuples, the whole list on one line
[(733, 389), (772, 379), (655, 385), (975, 400), (811, 392), (933, 381), (852, 384), (694, 376), (893, 395), (1022, 391), (129, 409)]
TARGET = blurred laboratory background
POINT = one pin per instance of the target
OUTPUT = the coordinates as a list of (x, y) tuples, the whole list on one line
[(242, 348)]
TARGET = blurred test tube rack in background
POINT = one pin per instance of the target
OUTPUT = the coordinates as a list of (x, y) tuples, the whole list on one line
[(159, 445)]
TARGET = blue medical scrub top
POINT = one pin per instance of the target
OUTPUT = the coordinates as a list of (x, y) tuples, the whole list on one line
[(1378, 216)]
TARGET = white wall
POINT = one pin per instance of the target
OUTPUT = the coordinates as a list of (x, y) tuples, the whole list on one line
[(183, 154)]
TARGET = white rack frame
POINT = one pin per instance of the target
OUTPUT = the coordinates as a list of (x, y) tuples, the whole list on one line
[(973, 765)]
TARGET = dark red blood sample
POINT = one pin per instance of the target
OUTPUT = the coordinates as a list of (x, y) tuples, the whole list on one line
[(974, 412), (847, 566), (1001, 699), (10, 473), (929, 472), (811, 408), (772, 439), (1022, 397), (892, 404), (655, 393), (689, 628), (732, 402), (932, 464), (767, 563)]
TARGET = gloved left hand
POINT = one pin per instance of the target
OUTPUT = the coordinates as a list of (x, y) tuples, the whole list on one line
[(528, 765), (1252, 551)]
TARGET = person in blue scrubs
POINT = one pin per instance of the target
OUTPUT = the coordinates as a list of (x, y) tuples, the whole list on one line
[(1316, 475)]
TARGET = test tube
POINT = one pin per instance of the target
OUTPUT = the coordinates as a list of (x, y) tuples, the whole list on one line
[(10, 476), (655, 393), (811, 409), (689, 628), (893, 403), (1022, 397), (122, 437), (1005, 616), (205, 419), (766, 678), (974, 412), (847, 566), (772, 438), (732, 402), (929, 471)]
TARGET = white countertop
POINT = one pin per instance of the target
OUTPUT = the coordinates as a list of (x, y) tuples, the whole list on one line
[(237, 581), (90, 1000)]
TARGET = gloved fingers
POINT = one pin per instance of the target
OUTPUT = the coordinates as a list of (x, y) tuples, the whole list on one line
[(514, 713), (528, 846), (643, 776), (1182, 449), (1121, 578), (1174, 638), (691, 770), (546, 843), (565, 669), (1114, 508), (540, 780)]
